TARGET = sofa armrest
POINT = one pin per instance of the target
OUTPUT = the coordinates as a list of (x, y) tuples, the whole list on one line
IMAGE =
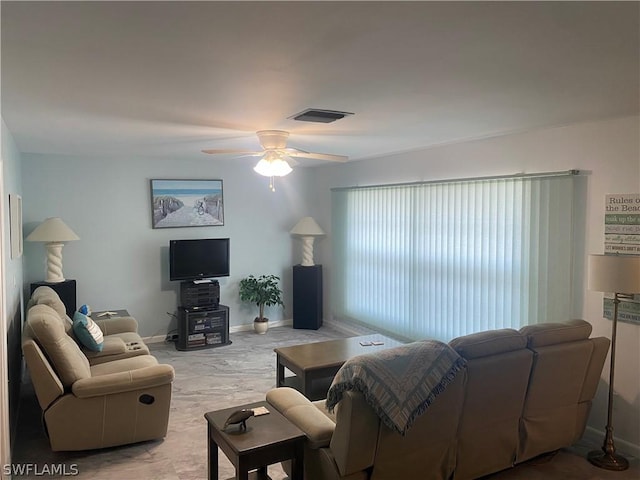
[(45, 381), (109, 326), (112, 383), (303, 414)]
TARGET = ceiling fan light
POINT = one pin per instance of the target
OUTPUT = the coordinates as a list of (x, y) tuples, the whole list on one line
[(280, 168), (272, 168), (263, 167)]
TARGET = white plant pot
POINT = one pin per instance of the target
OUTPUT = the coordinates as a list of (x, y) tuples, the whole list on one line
[(261, 327)]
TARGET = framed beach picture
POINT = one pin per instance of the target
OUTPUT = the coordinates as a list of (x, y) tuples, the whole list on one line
[(186, 203)]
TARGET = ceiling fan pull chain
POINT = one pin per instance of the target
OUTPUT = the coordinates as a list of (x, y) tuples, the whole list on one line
[(272, 184)]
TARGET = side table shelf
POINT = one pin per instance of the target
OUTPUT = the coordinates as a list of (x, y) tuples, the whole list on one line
[(109, 314), (203, 327)]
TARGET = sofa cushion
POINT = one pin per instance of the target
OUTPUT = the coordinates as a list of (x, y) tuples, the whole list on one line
[(544, 334), (47, 296), (44, 326), (550, 418), (483, 344), (87, 332), (110, 346)]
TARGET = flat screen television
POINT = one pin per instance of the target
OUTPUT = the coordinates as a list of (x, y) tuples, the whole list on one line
[(198, 259)]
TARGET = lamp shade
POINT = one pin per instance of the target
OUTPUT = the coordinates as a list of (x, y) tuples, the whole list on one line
[(52, 230), (307, 226), (273, 164), (614, 273), (272, 168)]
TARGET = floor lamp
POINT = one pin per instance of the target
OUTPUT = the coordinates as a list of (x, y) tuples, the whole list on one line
[(620, 275)]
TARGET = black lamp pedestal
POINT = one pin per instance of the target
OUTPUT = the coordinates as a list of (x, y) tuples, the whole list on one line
[(66, 290), (307, 296)]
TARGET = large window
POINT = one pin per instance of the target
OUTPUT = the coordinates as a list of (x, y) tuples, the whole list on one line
[(446, 259)]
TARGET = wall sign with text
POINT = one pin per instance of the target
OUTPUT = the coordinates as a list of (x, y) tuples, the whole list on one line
[(622, 236)]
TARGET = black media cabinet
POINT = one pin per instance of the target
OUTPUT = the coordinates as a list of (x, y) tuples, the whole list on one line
[(203, 327)]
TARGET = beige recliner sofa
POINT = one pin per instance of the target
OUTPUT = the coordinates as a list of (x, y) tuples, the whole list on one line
[(121, 338), (522, 393), (93, 406)]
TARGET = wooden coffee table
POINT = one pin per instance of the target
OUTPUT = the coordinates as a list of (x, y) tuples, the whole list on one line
[(268, 439), (315, 364)]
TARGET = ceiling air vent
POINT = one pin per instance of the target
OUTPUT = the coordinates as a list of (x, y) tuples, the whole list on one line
[(319, 116)]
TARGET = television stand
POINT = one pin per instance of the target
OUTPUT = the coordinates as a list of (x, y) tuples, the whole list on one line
[(203, 327)]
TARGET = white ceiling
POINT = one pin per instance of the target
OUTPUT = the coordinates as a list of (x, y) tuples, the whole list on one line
[(172, 78)]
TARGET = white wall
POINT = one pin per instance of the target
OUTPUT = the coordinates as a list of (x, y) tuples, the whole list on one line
[(121, 262), (607, 150)]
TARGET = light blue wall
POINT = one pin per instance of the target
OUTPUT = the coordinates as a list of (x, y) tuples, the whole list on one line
[(13, 274), (12, 178), (121, 262)]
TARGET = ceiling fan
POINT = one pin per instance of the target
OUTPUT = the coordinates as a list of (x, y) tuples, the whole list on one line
[(277, 158)]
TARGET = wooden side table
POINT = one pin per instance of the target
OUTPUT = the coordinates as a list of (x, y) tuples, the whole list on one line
[(108, 314), (269, 439)]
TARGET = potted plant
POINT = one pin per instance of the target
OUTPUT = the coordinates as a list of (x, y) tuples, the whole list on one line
[(263, 291)]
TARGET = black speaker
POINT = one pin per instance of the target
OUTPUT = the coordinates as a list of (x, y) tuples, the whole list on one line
[(307, 297)]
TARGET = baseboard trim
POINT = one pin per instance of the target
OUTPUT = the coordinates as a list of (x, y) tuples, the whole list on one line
[(595, 436), (249, 326), (155, 339), (346, 327), (232, 329)]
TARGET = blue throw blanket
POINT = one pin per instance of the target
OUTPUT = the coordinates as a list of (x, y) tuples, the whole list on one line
[(399, 383)]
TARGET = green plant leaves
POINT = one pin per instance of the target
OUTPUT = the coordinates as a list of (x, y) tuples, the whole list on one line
[(263, 290)]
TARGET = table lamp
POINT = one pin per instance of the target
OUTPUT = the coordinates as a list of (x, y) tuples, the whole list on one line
[(307, 229), (53, 232), (620, 275)]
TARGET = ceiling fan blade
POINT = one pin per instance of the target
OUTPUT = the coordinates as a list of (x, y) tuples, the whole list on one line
[(229, 150), (293, 150), (320, 156), (290, 160)]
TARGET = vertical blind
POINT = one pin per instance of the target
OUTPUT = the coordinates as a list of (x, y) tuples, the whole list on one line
[(441, 260)]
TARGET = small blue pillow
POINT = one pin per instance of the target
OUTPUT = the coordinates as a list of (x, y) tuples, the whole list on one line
[(88, 332)]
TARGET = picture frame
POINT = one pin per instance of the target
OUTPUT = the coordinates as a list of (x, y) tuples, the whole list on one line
[(186, 203), (15, 225)]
